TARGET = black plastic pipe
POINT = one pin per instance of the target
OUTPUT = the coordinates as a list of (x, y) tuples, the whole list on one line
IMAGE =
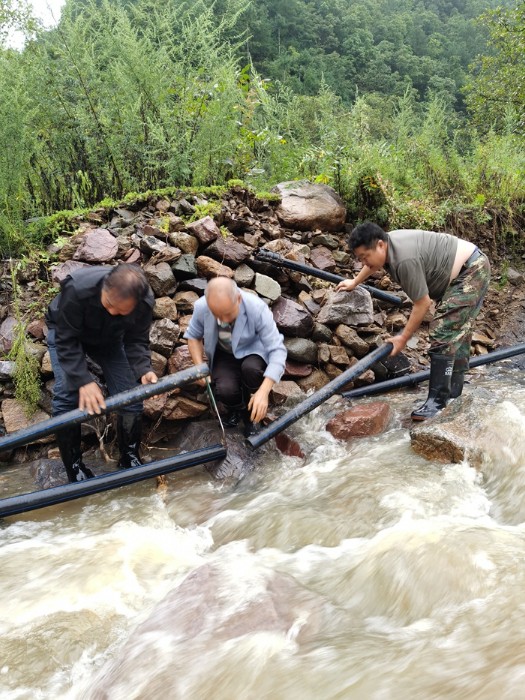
[(125, 398), (69, 492), (417, 377), (276, 259), (319, 397)]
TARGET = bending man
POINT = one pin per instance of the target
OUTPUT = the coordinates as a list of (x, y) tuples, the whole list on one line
[(104, 313), (429, 266), (245, 350)]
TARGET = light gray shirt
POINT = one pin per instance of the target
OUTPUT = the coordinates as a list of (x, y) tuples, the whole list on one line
[(421, 262)]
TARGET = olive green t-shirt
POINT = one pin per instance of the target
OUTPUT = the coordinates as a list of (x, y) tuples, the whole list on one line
[(421, 261)]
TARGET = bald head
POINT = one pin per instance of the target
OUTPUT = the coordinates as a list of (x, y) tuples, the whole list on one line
[(223, 298)]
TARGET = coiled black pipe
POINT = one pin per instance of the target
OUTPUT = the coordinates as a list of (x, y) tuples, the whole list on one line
[(125, 398), (69, 492), (319, 397), (417, 377), (267, 256)]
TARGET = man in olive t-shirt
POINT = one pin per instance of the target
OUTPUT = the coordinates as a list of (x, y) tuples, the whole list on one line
[(429, 266)]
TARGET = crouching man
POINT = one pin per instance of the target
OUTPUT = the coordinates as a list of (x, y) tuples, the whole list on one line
[(104, 313), (245, 351), (429, 266)]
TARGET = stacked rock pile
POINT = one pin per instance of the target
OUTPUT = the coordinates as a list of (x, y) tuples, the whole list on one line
[(182, 242)]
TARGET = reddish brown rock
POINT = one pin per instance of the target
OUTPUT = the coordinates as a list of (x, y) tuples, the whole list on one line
[(285, 390), (352, 340), (322, 258), (185, 301), (158, 362), (15, 417), (132, 256), (208, 267), (360, 421), (206, 230), (297, 369), (288, 446), (228, 250), (37, 329), (179, 360), (97, 246), (7, 333), (165, 307), (368, 377), (182, 407), (154, 406), (315, 381), (60, 272), (292, 319)]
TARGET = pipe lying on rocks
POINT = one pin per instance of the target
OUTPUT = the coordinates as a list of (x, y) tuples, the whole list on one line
[(417, 377), (276, 259), (69, 492), (319, 397), (125, 398)]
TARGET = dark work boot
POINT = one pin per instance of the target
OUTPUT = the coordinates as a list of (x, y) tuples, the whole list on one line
[(232, 417), (250, 428), (439, 386), (129, 433), (458, 377), (68, 442)]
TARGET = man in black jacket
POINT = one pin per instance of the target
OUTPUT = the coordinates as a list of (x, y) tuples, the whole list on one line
[(106, 313)]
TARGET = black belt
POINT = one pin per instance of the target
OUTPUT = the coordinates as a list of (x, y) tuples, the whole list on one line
[(475, 255)]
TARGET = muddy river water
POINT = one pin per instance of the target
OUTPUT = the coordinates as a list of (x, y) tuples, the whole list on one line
[(363, 571)]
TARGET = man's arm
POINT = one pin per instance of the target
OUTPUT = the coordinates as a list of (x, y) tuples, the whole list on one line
[(267, 330), (350, 285), (419, 310)]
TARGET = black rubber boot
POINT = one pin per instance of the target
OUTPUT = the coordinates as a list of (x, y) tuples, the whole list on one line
[(250, 428), (439, 389), (458, 377), (232, 416), (129, 433), (68, 442)]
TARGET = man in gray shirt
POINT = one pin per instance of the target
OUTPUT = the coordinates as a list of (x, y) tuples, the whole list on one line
[(429, 266)]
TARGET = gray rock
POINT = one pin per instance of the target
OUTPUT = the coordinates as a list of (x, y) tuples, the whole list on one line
[(60, 272), (7, 369), (301, 350), (306, 206), (161, 279), (97, 246), (185, 268), (267, 287), (163, 335), (7, 333), (186, 243), (196, 284), (351, 308), (321, 333), (244, 275)]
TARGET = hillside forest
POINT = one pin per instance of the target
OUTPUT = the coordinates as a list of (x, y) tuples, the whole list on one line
[(413, 110)]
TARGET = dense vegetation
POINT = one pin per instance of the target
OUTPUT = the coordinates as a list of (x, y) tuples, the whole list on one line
[(370, 96)]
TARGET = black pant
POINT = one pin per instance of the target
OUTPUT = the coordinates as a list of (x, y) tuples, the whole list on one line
[(235, 379)]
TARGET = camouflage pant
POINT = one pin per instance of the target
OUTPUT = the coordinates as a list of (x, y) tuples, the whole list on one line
[(452, 325)]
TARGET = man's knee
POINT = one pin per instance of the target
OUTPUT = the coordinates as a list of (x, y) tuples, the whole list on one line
[(252, 371)]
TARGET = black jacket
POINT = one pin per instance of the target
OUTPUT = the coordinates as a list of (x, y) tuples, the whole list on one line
[(80, 322)]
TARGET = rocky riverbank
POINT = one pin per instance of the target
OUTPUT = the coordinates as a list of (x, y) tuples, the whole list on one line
[(183, 241)]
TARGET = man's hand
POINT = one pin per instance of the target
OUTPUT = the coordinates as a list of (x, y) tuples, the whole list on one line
[(90, 398), (149, 378), (258, 405), (399, 343), (346, 286)]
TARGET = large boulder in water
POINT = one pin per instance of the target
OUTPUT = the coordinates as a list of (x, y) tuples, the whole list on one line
[(240, 458), (307, 207), (457, 432), (211, 613)]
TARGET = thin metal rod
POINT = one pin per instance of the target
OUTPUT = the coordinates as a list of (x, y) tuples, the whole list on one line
[(276, 259), (319, 397), (417, 377), (125, 398), (69, 492)]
